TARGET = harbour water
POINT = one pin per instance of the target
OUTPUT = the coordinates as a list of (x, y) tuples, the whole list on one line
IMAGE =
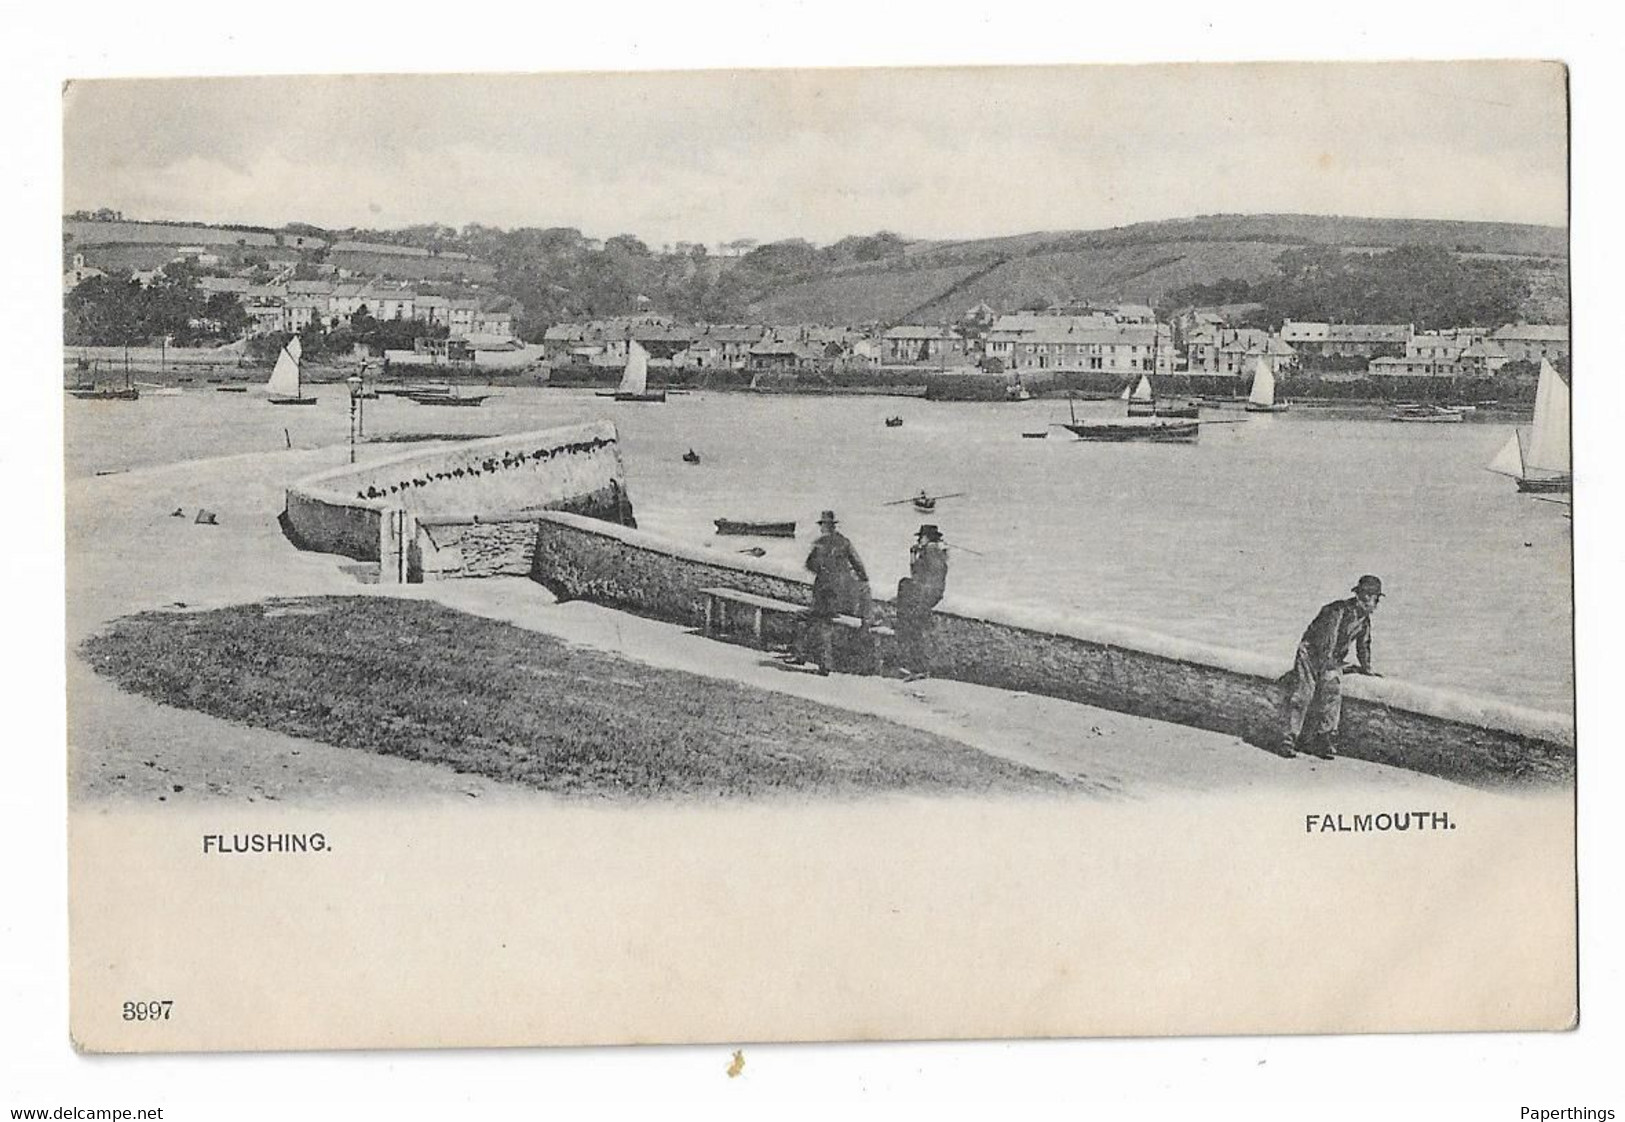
[(1235, 540)]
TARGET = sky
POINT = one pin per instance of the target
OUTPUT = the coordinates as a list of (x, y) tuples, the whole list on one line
[(711, 156)]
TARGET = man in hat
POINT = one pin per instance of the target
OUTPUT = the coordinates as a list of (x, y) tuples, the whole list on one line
[(917, 594), (839, 579), (1317, 672)]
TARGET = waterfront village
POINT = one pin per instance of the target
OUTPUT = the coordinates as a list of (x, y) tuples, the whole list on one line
[(550, 512), (262, 288)]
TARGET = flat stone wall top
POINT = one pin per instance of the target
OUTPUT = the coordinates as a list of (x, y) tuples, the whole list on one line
[(687, 551), (345, 480), (1425, 700), (1429, 700)]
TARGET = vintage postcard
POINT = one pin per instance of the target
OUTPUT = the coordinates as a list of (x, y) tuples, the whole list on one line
[(818, 555)]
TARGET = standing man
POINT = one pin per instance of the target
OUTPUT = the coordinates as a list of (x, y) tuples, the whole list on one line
[(1317, 672), (838, 579), (917, 594)]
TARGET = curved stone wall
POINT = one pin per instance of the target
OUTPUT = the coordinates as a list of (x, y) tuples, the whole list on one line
[(1468, 739), (368, 511)]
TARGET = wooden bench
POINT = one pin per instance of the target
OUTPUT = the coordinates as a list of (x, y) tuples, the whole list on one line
[(719, 601)]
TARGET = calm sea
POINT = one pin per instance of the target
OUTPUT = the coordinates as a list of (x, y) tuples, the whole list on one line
[(1236, 540)]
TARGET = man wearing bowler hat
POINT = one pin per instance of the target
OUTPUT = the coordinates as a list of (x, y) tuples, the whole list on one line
[(917, 594), (839, 579), (1316, 683)]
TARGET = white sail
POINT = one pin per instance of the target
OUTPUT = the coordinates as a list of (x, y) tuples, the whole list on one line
[(1142, 392), (1128, 391), (297, 348), (1549, 444), (1509, 460), (285, 378), (1263, 384), (636, 378)]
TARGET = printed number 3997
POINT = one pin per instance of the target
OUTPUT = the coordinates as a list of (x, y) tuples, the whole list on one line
[(147, 1010)]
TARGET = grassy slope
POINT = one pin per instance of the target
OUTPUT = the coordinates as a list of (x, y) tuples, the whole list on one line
[(1136, 273), (1492, 237), (420, 681), (1135, 263), (859, 297)]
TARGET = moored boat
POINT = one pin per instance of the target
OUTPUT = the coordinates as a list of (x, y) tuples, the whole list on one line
[(105, 393), (1143, 402), (1152, 430), (425, 389), (1426, 415), (1177, 409), (467, 402), (746, 528)]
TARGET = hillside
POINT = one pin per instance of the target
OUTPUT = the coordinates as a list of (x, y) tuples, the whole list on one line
[(1138, 263), (559, 274)]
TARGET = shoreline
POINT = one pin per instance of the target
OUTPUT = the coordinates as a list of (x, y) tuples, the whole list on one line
[(204, 378)]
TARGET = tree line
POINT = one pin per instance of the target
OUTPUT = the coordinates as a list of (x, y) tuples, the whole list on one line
[(117, 310), (558, 274), (1428, 286)]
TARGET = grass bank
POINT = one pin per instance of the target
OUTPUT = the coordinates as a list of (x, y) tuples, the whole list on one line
[(423, 682)]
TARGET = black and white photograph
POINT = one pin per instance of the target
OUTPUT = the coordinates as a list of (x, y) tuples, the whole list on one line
[(744, 556)]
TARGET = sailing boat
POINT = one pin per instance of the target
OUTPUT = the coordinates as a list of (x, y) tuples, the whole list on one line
[(1262, 399), (108, 393), (635, 381), (286, 386), (1142, 401), (1157, 430), (1544, 467)]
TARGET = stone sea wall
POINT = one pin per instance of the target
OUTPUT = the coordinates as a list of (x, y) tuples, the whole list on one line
[(1471, 740), (373, 511), (447, 547)]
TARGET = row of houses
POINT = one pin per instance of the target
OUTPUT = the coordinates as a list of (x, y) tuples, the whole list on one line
[(1102, 342), (710, 346), (293, 305), (1378, 349), (289, 305), (1122, 341)]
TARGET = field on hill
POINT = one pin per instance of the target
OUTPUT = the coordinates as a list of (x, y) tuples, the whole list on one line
[(411, 268), (176, 233), (1140, 263), (885, 295), (1300, 229), (1128, 273)]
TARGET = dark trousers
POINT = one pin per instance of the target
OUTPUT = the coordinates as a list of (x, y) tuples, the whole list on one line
[(1314, 701), (914, 626), (816, 643)]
